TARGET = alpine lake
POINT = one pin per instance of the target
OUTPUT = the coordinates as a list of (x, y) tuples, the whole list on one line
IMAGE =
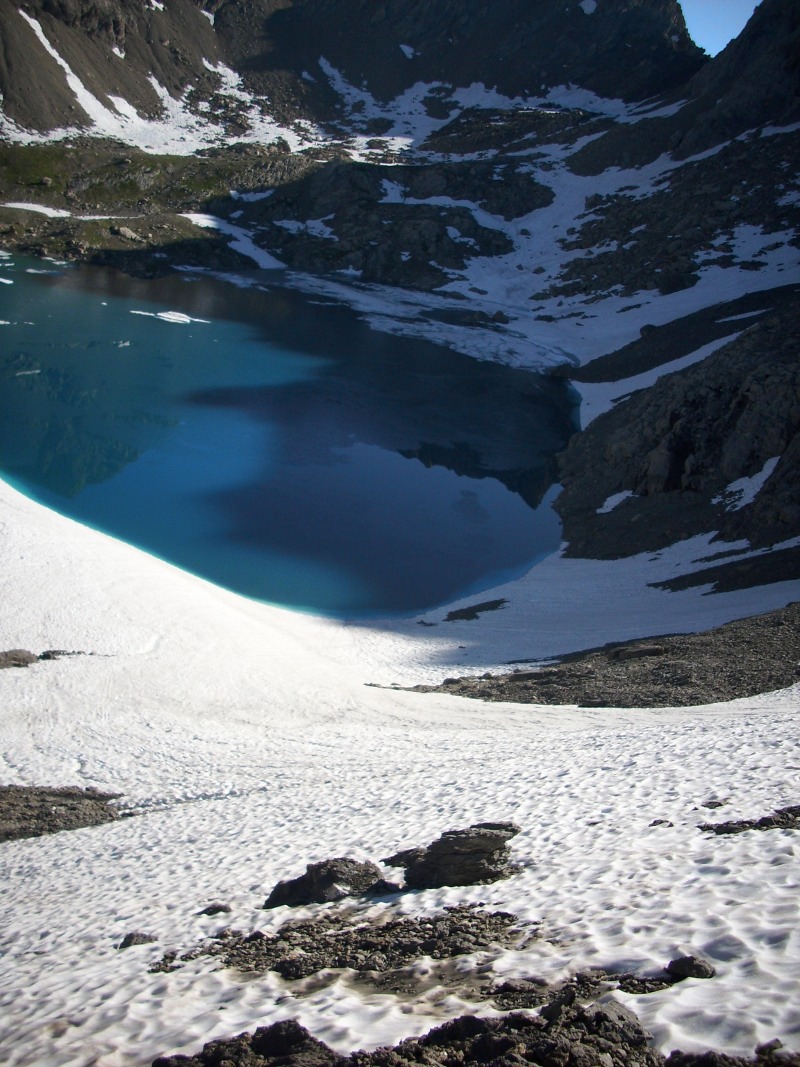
[(272, 442)]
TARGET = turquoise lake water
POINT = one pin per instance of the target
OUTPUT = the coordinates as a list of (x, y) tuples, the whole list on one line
[(272, 443)]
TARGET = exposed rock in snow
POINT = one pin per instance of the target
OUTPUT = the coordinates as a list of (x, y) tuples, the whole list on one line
[(325, 881), (459, 857)]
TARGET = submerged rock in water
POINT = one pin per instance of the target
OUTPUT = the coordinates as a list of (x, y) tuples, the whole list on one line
[(473, 856), (325, 881)]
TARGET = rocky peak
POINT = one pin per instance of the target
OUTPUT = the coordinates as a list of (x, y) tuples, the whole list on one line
[(631, 49), (753, 82), (286, 50)]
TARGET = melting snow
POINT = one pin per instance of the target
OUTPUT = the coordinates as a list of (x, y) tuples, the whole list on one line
[(744, 490)]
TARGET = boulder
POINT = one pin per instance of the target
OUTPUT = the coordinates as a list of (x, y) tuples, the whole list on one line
[(690, 967), (325, 881), (216, 909), (473, 856), (136, 937)]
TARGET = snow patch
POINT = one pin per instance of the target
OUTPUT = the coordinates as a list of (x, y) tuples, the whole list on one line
[(41, 209), (743, 491), (597, 398), (612, 501), (178, 131), (315, 227), (251, 198), (242, 240)]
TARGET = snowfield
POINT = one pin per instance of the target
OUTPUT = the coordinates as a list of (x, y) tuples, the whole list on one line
[(248, 743)]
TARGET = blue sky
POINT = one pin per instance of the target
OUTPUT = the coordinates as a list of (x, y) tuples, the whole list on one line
[(712, 23)]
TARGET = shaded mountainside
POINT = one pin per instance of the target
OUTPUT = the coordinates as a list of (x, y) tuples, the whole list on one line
[(169, 43), (518, 47), (632, 49), (680, 447)]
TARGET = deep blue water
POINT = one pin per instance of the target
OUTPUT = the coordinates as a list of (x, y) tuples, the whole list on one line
[(280, 448)]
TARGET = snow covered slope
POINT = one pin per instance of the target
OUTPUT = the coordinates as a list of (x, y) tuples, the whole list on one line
[(247, 744)]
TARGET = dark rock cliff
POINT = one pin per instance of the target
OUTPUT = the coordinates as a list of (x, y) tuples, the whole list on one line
[(632, 49), (678, 446)]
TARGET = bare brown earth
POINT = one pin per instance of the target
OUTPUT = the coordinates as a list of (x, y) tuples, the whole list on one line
[(740, 659), (31, 811)]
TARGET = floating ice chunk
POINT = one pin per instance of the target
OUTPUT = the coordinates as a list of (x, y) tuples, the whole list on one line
[(744, 490), (6, 281), (408, 51), (170, 316), (589, 6), (612, 502)]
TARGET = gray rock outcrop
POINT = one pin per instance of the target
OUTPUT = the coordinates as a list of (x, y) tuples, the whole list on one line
[(34, 810), (474, 856), (136, 937), (325, 881), (17, 657)]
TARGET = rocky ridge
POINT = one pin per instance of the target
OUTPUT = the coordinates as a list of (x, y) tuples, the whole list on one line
[(740, 659), (564, 1032)]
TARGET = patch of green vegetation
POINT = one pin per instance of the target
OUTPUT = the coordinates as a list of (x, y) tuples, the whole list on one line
[(91, 176)]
